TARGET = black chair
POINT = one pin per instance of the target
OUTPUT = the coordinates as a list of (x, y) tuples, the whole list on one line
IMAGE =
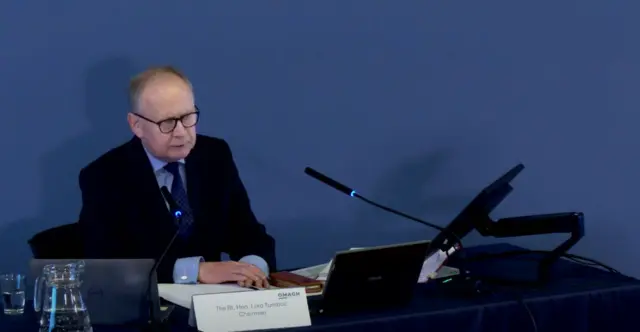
[(60, 242)]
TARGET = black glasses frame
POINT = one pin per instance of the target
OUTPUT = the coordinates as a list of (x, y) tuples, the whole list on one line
[(175, 120)]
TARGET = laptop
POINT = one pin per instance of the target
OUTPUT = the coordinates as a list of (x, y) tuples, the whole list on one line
[(371, 278), (114, 290)]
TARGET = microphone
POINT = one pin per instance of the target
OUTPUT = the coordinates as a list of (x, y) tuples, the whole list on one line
[(349, 191), (330, 182), (176, 212)]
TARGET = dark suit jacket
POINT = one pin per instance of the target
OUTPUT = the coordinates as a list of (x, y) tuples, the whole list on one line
[(124, 214)]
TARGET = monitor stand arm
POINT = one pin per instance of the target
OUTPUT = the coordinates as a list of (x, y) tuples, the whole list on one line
[(557, 223)]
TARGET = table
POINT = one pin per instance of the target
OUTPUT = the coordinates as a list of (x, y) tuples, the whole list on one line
[(578, 298)]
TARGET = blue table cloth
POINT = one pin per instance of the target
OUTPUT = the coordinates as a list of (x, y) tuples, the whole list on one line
[(578, 298)]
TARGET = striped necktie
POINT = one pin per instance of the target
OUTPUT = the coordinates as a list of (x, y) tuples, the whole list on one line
[(179, 193)]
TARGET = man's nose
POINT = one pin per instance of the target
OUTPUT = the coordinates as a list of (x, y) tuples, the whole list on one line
[(179, 130)]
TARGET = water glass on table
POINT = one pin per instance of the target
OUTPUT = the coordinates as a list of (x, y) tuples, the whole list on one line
[(12, 286)]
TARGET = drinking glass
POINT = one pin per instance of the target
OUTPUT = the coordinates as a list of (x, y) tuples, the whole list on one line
[(12, 286)]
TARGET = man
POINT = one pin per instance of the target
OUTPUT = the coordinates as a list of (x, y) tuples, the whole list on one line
[(124, 214)]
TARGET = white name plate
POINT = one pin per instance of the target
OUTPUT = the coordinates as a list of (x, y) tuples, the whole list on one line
[(257, 310)]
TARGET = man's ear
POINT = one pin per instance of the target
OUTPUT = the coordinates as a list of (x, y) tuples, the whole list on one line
[(134, 124)]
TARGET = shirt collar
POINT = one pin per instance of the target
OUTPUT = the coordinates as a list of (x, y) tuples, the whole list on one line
[(156, 163)]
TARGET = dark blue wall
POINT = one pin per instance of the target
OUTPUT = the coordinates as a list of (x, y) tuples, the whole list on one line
[(416, 103)]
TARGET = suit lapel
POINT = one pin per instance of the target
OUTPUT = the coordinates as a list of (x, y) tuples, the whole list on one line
[(194, 164), (203, 185)]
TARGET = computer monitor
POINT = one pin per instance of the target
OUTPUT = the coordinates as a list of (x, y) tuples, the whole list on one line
[(476, 213)]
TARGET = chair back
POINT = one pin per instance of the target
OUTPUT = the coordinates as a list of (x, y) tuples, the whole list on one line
[(61, 242)]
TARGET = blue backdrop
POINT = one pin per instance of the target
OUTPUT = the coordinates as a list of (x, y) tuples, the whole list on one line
[(418, 104)]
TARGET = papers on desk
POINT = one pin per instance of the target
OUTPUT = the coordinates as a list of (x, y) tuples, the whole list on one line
[(433, 263), (430, 268), (318, 272), (182, 294), (313, 272)]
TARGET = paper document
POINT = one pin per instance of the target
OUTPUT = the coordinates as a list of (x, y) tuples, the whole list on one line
[(182, 294), (322, 275), (433, 263), (312, 271)]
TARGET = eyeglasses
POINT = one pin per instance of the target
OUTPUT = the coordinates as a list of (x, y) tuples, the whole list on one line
[(167, 126)]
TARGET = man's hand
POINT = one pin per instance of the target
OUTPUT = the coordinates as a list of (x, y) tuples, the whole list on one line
[(242, 273), (262, 283)]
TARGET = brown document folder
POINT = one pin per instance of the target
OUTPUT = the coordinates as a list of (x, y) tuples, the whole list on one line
[(287, 279)]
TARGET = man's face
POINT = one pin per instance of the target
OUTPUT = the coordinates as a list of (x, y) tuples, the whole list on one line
[(165, 98)]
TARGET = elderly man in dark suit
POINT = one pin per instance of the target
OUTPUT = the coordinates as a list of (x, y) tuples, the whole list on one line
[(124, 214)]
